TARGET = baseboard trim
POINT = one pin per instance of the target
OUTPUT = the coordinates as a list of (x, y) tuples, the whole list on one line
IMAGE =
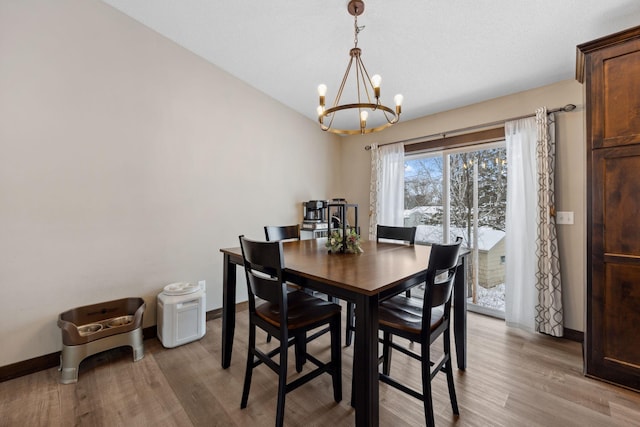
[(30, 366), (573, 335), (52, 360)]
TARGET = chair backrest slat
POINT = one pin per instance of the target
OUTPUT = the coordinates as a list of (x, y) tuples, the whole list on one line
[(406, 234), (282, 232)]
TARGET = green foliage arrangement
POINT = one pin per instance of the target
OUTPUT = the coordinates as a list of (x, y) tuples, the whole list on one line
[(350, 243)]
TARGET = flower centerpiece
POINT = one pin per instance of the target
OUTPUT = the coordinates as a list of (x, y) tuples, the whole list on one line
[(349, 243)]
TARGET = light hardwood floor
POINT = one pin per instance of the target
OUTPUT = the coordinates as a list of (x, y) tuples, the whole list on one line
[(513, 378)]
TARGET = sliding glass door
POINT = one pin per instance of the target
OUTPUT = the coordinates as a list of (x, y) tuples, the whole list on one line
[(462, 193)]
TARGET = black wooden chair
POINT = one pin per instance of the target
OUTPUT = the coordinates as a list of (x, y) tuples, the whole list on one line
[(285, 233), (406, 235), (423, 322), (283, 315)]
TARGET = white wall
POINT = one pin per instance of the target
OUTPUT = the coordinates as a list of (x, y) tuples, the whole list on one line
[(570, 168), (126, 162)]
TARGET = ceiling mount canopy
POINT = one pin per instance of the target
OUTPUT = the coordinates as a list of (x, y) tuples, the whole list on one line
[(367, 93)]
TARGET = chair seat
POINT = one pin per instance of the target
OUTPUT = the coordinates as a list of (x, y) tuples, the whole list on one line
[(303, 310), (405, 314)]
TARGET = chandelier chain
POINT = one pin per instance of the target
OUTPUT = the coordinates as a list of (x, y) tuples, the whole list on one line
[(356, 29)]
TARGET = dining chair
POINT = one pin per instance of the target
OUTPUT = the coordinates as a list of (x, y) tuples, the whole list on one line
[(285, 233), (406, 235), (283, 315), (423, 322)]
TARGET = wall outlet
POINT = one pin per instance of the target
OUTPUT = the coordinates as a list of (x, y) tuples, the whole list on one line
[(202, 284), (564, 217)]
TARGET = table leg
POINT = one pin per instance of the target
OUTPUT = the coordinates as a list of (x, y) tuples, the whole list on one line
[(228, 309), (365, 368), (460, 313)]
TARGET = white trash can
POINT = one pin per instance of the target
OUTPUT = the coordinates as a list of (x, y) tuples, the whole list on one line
[(181, 314)]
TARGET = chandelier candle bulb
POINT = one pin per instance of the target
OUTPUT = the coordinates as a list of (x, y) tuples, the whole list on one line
[(375, 81), (363, 119), (398, 100), (322, 91)]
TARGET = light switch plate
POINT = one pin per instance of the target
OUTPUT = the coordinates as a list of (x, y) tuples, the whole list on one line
[(564, 217)]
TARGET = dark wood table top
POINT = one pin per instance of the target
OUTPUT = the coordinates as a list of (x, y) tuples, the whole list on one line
[(380, 268)]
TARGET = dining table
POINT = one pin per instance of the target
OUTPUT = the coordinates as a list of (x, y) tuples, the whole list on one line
[(380, 271)]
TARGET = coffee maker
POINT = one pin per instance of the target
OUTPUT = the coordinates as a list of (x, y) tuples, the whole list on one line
[(314, 214)]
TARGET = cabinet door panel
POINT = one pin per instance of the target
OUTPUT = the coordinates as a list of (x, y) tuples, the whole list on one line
[(621, 98), (613, 95), (621, 316), (620, 204)]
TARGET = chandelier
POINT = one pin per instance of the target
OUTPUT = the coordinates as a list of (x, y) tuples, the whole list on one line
[(366, 88)]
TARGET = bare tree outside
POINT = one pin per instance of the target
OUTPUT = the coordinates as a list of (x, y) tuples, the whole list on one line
[(423, 188)]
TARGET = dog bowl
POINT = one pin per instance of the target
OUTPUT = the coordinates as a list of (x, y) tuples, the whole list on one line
[(119, 321), (89, 329)]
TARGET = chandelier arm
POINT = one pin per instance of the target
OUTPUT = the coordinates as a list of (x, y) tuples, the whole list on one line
[(366, 82), (358, 78), (394, 118), (344, 80), (322, 125)]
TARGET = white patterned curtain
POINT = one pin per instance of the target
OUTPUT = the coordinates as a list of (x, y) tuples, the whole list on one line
[(533, 299), (549, 317), (386, 192)]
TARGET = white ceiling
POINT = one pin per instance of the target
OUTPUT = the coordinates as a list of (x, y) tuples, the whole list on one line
[(440, 54)]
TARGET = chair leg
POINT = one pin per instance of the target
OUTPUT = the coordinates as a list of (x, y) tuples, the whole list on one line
[(408, 293), (268, 337), (282, 382), (249, 369), (353, 389), (426, 385), (387, 338), (449, 372), (350, 324), (452, 390), (336, 359), (300, 347)]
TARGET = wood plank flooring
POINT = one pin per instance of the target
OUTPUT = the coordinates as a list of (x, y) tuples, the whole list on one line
[(513, 378)]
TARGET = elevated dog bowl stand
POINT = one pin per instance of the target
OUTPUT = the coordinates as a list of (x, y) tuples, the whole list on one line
[(96, 328)]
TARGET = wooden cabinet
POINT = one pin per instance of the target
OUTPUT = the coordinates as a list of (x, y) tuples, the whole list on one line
[(610, 69)]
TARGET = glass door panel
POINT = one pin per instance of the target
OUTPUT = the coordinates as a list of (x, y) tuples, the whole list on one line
[(462, 193)]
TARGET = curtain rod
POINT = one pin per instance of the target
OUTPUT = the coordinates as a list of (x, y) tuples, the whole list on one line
[(566, 108)]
